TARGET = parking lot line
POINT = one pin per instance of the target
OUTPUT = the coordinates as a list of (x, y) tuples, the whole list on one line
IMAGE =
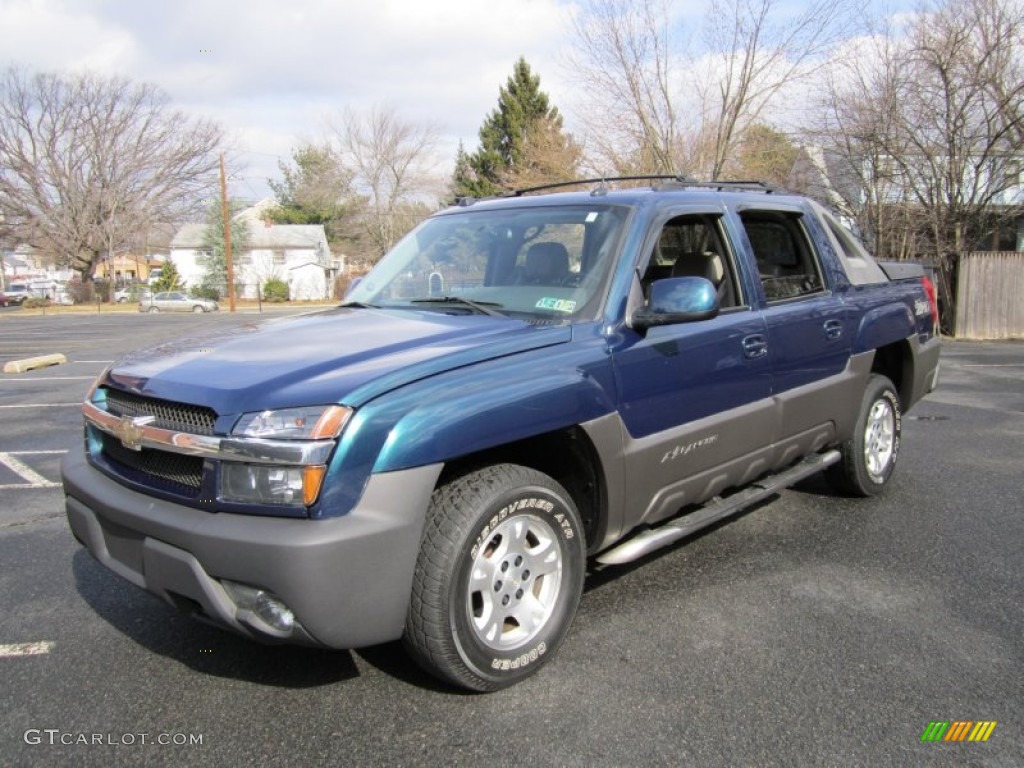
[(53, 378), (26, 649), (43, 405), (32, 478)]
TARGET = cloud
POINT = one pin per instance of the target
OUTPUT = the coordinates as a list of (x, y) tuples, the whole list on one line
[(269, 70)]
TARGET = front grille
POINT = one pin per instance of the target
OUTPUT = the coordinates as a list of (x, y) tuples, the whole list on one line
[(175, 472), (179, 417)]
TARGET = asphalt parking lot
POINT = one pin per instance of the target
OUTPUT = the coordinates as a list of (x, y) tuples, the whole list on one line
[(813, 630)]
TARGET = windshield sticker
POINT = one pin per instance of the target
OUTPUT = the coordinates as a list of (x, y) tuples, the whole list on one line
[(557, 305), (591, 217)]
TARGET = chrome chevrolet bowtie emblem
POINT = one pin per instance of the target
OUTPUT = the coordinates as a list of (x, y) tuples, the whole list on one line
[(129, 430)]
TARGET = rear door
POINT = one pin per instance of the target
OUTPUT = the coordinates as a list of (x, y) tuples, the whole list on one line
[(809, 338)]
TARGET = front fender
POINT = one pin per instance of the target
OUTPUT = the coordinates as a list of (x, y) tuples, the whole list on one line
[(484, 414), (470, 409)]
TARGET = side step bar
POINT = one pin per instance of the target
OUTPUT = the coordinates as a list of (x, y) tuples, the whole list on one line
[(655, 538)]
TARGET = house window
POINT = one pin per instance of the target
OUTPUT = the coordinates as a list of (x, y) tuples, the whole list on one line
[(244, 259), (279, 257)]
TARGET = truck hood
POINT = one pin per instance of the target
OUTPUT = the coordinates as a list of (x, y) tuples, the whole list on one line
[(343, 355)]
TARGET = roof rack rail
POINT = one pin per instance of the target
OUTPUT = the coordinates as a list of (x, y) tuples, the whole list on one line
[(666, 179), (747, 186), (602, 180)]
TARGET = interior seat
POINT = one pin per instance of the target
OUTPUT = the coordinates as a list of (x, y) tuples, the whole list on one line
[(546, 264)]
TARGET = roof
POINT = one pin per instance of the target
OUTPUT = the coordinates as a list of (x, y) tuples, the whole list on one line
[(292, 236), (694, 192)]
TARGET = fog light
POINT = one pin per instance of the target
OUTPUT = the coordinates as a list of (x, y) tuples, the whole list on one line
[(267, 606), (274, 612)]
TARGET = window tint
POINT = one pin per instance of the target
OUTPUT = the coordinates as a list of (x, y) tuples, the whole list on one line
[(786, 261)]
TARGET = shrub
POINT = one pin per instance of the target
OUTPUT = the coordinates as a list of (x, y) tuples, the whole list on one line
[(34, 301), (275, 290)]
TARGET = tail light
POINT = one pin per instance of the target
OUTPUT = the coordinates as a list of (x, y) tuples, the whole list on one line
[(933, 300)]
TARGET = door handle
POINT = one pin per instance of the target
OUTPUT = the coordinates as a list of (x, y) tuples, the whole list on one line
[(833, 329), (755, 346)]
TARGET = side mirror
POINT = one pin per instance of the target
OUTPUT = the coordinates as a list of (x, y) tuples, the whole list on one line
[(677, 300)]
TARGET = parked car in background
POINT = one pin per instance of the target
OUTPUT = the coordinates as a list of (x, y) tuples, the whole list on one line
[(132, 292), (175, 301), (15, 293)]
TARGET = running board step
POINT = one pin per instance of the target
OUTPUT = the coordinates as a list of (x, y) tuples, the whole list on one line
[(655, 538)]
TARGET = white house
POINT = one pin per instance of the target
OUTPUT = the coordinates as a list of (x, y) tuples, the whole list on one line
[(298, 254)]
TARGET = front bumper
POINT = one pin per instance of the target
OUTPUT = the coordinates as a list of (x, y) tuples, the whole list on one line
[(346, 579)]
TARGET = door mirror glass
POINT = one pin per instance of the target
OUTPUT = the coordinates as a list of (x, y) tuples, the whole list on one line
[(677, 300)]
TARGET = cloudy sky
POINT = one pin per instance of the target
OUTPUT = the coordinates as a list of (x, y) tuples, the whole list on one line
[(270, 70)]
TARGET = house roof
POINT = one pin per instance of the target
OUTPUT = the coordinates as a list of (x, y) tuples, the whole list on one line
[(293, 236)]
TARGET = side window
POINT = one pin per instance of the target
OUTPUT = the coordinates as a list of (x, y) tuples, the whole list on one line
[(693, 246), (786, 261), (860, 268)]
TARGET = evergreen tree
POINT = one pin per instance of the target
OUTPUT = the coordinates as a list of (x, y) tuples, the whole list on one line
[(464, 177), (169, 280), (508, 136), (214, 283), (316, 189)]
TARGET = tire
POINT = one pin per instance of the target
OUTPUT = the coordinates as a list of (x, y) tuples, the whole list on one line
[(197, 310), (498, 579), (154, 309), (869, 457)]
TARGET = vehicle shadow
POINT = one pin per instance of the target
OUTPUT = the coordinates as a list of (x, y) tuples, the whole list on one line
[(163, 630)]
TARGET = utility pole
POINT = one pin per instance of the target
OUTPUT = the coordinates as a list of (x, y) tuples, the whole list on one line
[(227, 235)]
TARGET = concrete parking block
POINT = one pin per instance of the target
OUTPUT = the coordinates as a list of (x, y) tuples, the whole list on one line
[(31, 363)]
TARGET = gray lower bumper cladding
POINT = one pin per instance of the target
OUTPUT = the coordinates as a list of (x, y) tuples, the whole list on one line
[(346, 580)]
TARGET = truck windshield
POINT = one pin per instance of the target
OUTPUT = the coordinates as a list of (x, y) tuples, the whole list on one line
[(543, 264)]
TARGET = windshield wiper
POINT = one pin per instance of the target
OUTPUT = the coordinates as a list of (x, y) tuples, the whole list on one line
[(483, 307)]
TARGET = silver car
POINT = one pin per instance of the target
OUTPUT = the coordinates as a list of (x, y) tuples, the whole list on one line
[(175, 301)]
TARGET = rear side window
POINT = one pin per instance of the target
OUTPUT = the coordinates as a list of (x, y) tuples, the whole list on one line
[(787, 263), (860, 268)]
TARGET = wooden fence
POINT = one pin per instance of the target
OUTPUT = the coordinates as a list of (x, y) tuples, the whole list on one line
[(990, 296)]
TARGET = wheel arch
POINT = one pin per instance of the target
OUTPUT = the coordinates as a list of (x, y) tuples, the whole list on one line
[(896, 362), (566, 455)]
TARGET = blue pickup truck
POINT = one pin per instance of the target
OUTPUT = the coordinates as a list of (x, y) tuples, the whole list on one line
[(523, 388)]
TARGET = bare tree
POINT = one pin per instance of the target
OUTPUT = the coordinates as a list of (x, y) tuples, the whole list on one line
[(391, 161), (623, 58), (763, 50), (932, 125), (962, 114), (851, 147), (86, 162), (658, 102)]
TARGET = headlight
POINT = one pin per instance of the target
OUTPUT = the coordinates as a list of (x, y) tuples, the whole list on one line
[(314, 422)]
